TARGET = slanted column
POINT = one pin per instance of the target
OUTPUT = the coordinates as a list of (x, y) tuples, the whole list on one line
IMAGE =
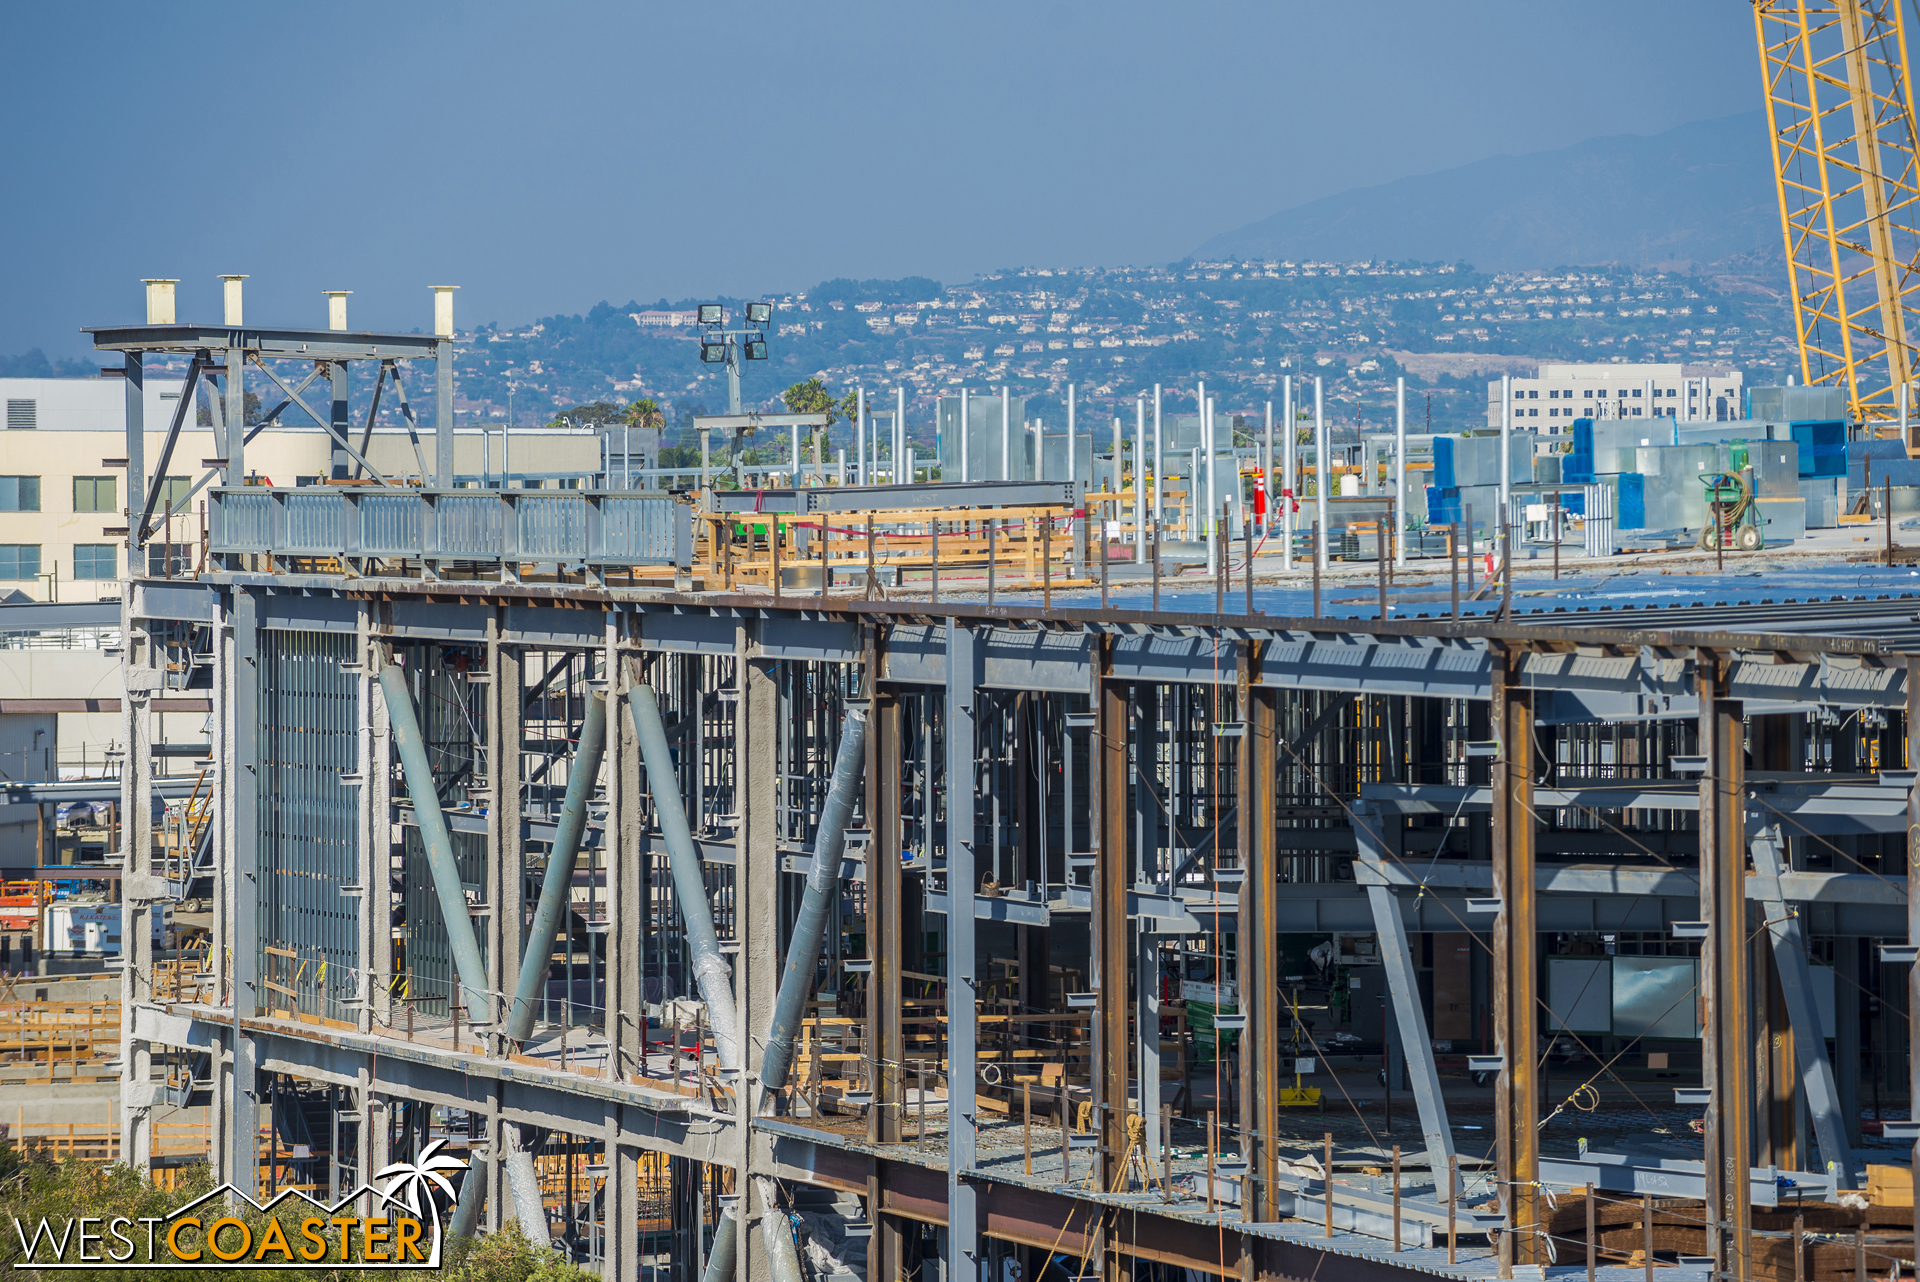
[(1515, 949), (1727, 1041)]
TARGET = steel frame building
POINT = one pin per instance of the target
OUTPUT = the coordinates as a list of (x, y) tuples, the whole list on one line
[(1158, 777)]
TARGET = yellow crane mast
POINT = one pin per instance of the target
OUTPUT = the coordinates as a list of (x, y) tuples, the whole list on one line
[(1846, 161)]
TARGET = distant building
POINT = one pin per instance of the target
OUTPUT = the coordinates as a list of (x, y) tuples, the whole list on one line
[(1557, 393)]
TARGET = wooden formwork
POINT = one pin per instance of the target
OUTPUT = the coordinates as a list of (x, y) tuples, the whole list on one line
[(1024, 544)]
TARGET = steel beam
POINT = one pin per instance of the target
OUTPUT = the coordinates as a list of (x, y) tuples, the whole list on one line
[(506, 872), (1515, 959), (1726, 1045)]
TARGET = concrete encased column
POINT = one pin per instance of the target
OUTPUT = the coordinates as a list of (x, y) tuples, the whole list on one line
[(506, 847), (757, 913)]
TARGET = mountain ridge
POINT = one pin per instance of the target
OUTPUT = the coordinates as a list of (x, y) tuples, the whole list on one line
[(1700, 193)]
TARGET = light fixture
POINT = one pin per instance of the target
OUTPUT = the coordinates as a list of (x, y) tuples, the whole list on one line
[(709, 313), (759, 313), (713, 353), (756, 349)]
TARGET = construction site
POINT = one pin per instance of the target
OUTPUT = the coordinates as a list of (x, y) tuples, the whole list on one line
[(1140, 853)]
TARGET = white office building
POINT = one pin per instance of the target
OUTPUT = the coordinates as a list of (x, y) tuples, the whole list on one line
[(1556, 394)]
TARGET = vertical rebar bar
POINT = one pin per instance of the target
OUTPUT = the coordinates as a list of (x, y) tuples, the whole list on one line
[(1316, 569), (1026, 1124), (1327, 1148), (1453, 565), (1646, 1233), (992, 557), (1396, 1199)]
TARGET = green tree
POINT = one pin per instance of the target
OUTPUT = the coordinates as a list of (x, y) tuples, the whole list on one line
[(812, 397), (646, 412)]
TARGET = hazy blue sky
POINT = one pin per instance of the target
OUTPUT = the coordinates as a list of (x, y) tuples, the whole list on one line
[(544, 157)]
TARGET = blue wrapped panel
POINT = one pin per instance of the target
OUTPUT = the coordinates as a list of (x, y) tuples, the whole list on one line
[(1823, 448), (1631, 511), (1443, 472)]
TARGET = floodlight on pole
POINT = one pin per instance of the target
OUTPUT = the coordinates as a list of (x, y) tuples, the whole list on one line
[(759, 313), (756, 349), (710, 314), (714, 353)]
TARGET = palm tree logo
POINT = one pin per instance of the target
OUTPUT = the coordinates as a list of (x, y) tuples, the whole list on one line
[(414, 1183)]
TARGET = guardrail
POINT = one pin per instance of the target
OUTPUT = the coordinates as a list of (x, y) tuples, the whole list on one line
[(568, 528)]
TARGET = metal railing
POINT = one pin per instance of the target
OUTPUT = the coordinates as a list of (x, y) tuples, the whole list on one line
[(570, 528)]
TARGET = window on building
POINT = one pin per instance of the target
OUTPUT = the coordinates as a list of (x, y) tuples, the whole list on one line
[(160, 566), (19, 494), (95, 561), (1535, 413), (94, 494), (23, 415), (1534, 394), (172, 494), (1636, 411), (1636, 391), (19, 560), (1589, 393)]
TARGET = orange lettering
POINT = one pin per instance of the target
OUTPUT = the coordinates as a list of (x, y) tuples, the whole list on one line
[(274, 1239), (173, 1240), (373, 1233), (345, 1225), (406, 1237), (213, 1238), (307, 1227)]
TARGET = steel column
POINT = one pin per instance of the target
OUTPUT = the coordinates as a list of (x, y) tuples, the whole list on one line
[(1259, 940), (1515, 945), (886, 1046), (1726, 1043), (135, 378), (506, 850), (443, 414), (241, 894), (963, 1211), (143, 671), (1113, 877)]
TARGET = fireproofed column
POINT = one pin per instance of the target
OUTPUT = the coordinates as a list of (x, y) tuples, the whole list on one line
[(1515, 947), (1726, 1040)]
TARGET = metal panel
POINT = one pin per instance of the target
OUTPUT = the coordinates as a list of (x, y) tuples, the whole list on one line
[(308, 846), (1656, 997)]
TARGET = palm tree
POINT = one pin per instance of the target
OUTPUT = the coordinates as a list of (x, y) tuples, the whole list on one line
[(414, 1183)]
